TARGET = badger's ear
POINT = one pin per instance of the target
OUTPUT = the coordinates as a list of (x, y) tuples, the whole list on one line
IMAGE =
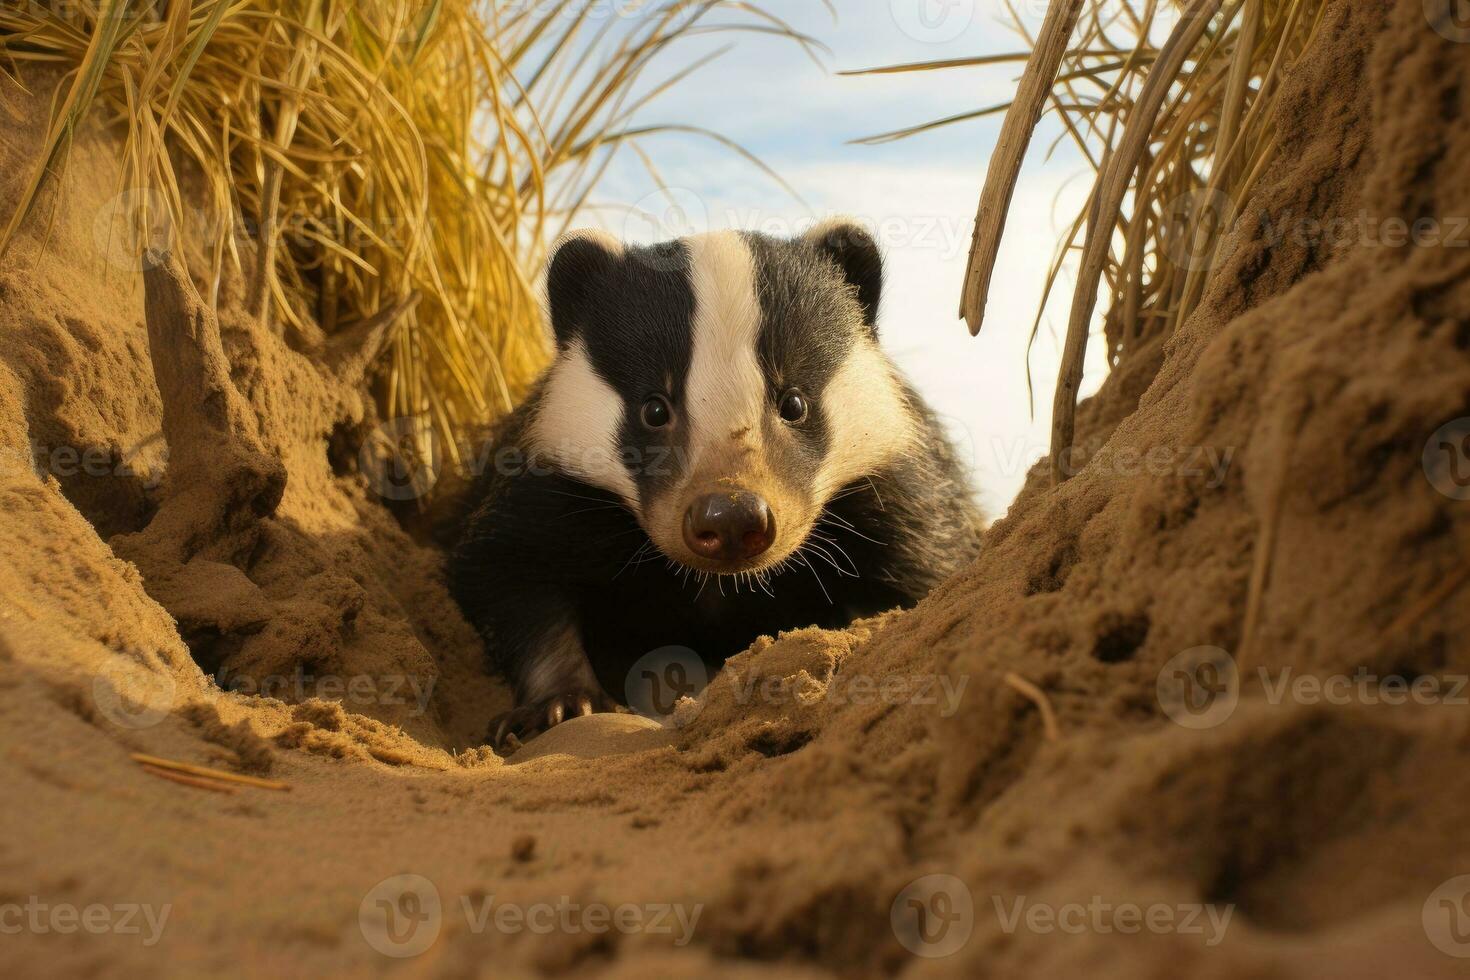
[(577, 279), (848, 244)]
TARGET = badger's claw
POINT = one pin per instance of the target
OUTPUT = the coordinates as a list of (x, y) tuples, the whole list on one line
[(529, 720)]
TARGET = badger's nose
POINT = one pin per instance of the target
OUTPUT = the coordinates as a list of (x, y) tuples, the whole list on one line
[(732, 526)]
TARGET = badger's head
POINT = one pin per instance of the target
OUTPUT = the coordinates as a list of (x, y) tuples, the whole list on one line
[(724, 386)]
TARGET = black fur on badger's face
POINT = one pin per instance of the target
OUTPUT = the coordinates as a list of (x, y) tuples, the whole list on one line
[(724, 386)]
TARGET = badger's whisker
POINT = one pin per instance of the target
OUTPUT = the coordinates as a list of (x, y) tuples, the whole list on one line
[(827, 556), (590, 510), (813, 570), (832, 543), (764, 580), (632, 558), (581, 496), (848, 492), (849, 527), (874, 488)]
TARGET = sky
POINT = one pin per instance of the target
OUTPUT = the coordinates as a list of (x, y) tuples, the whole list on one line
[(918, 196)]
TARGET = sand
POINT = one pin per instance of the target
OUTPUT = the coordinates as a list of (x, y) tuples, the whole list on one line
[(1255, 483)]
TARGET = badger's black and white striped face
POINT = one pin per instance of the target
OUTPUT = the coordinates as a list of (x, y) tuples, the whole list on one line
[(724, 386)]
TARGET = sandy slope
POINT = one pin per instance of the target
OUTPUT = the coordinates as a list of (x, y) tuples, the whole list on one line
[(785, 817)]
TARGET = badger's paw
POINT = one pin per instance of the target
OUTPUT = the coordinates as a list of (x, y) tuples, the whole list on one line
[(529, 720)]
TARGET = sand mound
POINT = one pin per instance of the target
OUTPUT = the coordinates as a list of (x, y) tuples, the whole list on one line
[(1255, 509)]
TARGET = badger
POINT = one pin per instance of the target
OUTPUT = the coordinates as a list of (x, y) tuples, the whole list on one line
[(719, 450)]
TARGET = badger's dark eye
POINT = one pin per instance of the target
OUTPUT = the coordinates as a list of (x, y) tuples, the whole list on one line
[(656, 412), (794, 406)]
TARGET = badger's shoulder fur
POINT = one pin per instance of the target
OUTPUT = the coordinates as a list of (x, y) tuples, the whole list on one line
[(720, 450)]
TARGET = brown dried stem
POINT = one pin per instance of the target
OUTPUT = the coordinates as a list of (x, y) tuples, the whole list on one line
[(1010, 150), (1113, 187)]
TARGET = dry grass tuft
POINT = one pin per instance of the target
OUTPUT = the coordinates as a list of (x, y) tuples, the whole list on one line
[(376, 148), (1171, 104)]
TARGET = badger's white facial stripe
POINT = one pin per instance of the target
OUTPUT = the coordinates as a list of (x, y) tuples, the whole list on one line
[(868, 424), (726, 391), (576, 425)]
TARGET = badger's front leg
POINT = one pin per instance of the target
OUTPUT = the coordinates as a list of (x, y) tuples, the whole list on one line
[(553, 681), (525, 551)]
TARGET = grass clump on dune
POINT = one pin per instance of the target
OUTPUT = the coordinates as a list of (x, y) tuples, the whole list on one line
[(1171, 104), (374, 149)]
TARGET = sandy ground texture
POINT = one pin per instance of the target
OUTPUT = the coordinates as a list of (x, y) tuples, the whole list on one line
[(887, 799)]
